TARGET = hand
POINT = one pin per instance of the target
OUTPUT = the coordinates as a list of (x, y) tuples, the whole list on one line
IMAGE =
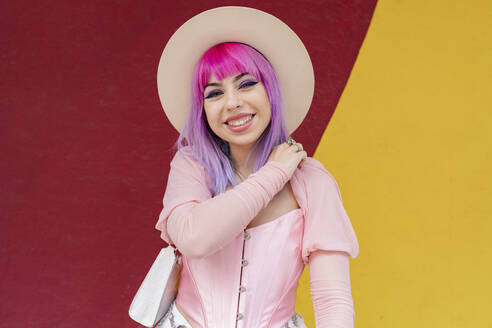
[(290, 156)]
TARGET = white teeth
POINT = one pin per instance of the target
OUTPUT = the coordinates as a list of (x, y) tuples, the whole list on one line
[(241, 121)]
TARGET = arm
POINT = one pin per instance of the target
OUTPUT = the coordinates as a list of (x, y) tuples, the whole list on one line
[(330, 289), (202, 228)]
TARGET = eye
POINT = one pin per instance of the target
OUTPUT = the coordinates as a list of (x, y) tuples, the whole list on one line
[(247, 84), (213, 94)]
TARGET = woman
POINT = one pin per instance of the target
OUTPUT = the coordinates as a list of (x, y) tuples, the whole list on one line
[(244, 204)]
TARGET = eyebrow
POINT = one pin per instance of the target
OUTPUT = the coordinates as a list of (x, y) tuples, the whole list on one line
[(214, 84)]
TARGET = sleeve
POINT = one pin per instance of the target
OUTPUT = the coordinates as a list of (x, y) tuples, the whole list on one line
[(199, 224), (186, 183), (327, 225), (329, 276)]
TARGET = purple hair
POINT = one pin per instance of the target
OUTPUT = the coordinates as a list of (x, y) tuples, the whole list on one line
[(212, 152)]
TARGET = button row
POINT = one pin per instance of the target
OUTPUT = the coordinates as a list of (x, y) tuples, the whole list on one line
[(242, 289)]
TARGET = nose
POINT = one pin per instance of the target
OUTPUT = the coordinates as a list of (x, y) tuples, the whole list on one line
[(233, 100)]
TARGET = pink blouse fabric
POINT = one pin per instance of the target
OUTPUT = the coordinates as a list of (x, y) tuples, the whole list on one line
[(329, 276), (234, 276)]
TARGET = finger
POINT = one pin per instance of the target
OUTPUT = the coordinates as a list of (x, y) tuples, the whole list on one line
[(293, 148), (283, 145), (301, 163), (298, 146)]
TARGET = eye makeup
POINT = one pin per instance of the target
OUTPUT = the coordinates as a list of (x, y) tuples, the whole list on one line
[(243, 85), (247, 84), (213, 93)]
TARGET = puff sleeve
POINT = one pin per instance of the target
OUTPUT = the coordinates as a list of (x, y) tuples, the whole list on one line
[(327, 225)]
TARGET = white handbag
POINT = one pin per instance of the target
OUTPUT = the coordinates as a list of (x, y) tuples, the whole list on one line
[(158, 290)]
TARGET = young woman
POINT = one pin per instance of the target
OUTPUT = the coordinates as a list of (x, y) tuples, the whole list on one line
[(247, 208)]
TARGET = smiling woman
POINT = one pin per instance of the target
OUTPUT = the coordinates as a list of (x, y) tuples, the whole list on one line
[(233, 79), (237, 110), (244, 205), (223, 107)]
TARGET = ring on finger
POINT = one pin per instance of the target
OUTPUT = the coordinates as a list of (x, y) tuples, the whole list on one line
[(291, 141)]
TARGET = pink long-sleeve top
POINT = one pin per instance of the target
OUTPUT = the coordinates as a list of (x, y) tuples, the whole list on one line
[(234, 276)]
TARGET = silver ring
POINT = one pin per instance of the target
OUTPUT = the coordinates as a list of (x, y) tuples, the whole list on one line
[(291, 141)]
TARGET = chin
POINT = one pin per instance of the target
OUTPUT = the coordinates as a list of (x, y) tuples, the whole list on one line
[(242, 140)]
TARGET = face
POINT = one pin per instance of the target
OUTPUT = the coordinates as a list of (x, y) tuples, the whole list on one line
[(237, 108)]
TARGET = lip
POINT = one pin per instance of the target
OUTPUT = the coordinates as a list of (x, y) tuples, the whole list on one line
[(242, 128), (235, 117)]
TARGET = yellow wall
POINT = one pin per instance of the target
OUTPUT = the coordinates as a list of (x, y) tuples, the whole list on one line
[(410, 145)]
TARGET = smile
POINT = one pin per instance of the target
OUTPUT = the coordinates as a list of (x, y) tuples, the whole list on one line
[(241, 121), (241, 124)]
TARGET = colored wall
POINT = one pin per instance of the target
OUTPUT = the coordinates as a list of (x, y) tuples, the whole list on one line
[(400, 117), (411, 147)]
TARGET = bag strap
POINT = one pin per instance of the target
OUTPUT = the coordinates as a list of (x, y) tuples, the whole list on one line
[(177, 253)]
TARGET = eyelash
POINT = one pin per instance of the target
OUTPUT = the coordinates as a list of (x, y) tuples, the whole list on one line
[(245, 84)]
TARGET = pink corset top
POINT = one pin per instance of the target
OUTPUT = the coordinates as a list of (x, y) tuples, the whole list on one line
[(251, 282), (234, 276)]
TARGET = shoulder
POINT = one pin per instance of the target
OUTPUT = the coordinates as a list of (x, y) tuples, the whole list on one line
[(317, 178), (186, 163), (185, 156), (314, 169)]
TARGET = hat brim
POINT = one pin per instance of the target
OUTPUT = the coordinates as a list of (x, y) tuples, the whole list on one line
[(266, 33)]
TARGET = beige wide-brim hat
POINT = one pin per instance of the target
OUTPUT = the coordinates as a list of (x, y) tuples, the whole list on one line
[(262, 31)]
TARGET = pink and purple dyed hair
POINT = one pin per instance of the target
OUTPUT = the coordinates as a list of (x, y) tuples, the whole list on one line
[(212, 152)]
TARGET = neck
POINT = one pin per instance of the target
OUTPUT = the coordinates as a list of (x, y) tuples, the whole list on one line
[(238, 155)]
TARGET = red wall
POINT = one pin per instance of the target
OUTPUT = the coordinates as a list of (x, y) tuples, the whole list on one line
[(85, 145)]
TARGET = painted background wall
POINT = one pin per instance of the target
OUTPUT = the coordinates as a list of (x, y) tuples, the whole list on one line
[(411, 145), (400, 117)]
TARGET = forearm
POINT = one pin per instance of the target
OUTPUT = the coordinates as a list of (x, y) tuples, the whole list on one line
[(330, 289), (200, 229)]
